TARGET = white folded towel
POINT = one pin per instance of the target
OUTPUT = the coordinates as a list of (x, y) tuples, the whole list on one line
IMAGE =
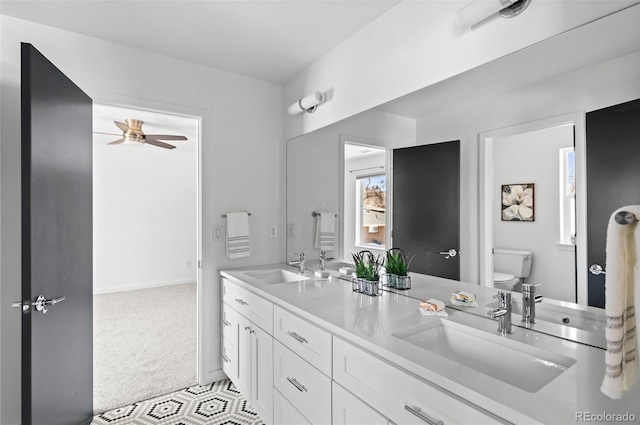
[(621, 358), (326, 231), (238, 235)]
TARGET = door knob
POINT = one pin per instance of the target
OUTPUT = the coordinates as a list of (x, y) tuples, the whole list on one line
[(39, 303), (596, 269), (448, 254)]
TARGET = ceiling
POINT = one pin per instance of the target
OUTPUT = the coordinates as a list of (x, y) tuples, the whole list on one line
[(268, 40)]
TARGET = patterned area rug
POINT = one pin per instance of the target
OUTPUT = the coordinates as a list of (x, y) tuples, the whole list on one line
[(217, 403)]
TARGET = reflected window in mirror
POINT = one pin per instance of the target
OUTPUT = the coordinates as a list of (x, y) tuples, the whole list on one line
[(567, 196), (371, 207)]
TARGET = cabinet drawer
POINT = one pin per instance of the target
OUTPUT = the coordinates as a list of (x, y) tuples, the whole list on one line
[(350, 410), (394, 391), (304, 338), (230, 359), (230, 323), (302, 384), (250, 305), (284, 413)]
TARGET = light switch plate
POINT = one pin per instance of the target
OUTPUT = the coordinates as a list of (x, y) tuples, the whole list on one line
[(291, 230), (273, 231), (217, 232)]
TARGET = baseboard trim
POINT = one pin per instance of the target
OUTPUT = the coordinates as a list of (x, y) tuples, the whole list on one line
[(133, 287)]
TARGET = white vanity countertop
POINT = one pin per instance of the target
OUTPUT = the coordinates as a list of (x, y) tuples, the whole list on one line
[(369, 322)]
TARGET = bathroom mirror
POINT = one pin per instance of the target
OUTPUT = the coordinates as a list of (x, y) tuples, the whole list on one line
[(601, 71)]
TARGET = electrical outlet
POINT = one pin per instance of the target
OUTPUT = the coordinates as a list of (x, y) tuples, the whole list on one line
[(188, 263), (217, 232), (273, 231), (291, 230)]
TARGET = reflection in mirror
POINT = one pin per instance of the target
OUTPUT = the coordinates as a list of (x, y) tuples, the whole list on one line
[(365, 198), (533, 211)]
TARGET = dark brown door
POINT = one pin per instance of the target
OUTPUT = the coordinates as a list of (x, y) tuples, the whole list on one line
[(613, 179), (57, 353), (426, 207)]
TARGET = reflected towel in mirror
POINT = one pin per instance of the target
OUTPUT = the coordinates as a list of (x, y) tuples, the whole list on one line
[(325, 231)]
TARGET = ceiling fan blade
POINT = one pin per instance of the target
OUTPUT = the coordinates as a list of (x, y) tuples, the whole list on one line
[(116, 142), (122, 126), (166, 137), (159, 143), (108, 134)]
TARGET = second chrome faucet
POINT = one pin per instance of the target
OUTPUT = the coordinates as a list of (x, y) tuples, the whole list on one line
[(503, 312)]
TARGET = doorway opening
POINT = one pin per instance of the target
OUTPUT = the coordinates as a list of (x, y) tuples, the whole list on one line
[(147, 247)]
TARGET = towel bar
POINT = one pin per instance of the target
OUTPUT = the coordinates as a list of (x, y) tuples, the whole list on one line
[(315, 214), (624, 217), (225, 216)]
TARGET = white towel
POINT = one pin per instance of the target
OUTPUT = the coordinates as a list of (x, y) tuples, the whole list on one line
[(621, 358), (238, 235), (326, 231)]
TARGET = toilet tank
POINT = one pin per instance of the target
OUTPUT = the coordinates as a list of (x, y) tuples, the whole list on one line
[(512, 261)]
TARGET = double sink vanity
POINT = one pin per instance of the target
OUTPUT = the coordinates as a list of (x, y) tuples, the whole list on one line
[(308, 350)]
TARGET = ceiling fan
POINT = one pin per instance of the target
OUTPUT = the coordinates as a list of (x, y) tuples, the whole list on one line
[(132, 132)]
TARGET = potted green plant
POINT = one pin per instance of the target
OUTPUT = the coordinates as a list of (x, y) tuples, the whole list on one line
[(368, 268), (398, 269), (360, 265)]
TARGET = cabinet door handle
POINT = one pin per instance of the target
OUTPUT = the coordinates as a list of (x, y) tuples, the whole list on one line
[(246, 328), (419, 413), (241, 301), (226, 322), (297, 384), (300, 339), (226, 359)]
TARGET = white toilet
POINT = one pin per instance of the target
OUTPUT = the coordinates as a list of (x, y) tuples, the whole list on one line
[(509, 266)]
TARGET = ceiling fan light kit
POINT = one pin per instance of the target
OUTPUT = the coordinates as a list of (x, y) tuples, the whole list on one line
[(132, 133)]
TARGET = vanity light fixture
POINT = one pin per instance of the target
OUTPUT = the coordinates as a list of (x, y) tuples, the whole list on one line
[(479, 10), (306, 104)]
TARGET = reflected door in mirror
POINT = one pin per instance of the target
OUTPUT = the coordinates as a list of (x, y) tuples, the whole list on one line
[(613, 178), (426, 207)]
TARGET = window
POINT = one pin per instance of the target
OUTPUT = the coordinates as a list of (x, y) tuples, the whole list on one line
[(370, 211), (567, 196)]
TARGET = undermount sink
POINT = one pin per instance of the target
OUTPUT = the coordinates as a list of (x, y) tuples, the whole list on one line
[(276, 276), (521, 365), (563, 316)]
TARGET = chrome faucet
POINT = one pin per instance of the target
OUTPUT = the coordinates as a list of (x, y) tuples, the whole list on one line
[(299, 263), (503, 312), (529, 300), (323, 260)]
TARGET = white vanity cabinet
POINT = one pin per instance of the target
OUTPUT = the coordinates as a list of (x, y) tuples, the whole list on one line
[(398, 395), (247, 349), (348, 409)]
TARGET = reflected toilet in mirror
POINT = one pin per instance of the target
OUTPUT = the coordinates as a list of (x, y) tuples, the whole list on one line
[(510, 267)]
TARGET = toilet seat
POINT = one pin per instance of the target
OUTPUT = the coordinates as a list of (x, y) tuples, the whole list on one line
[(504, 280)]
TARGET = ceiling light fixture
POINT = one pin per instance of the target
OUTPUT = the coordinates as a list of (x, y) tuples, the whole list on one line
[(479, 10), (306, 104)]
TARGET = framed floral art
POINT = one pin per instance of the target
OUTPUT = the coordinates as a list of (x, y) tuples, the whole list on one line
[(518, 202)]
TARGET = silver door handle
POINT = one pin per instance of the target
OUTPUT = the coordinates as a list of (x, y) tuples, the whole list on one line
[(448, 254), (41, 301), (597, 269), (419, 413)]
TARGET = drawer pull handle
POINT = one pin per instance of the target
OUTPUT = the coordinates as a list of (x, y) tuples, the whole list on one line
[(300, 339), (246, 328), (226, 359), (297, 384), (419, 413), (241, 301), (226, 322)]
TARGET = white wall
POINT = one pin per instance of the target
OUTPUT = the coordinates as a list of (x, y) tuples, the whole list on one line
[(598, 86), (533, 157), (313, 170), (144, 204), (417, 44), (242, 153)]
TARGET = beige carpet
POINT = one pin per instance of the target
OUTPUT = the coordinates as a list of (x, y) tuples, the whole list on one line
[(144, 344)]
